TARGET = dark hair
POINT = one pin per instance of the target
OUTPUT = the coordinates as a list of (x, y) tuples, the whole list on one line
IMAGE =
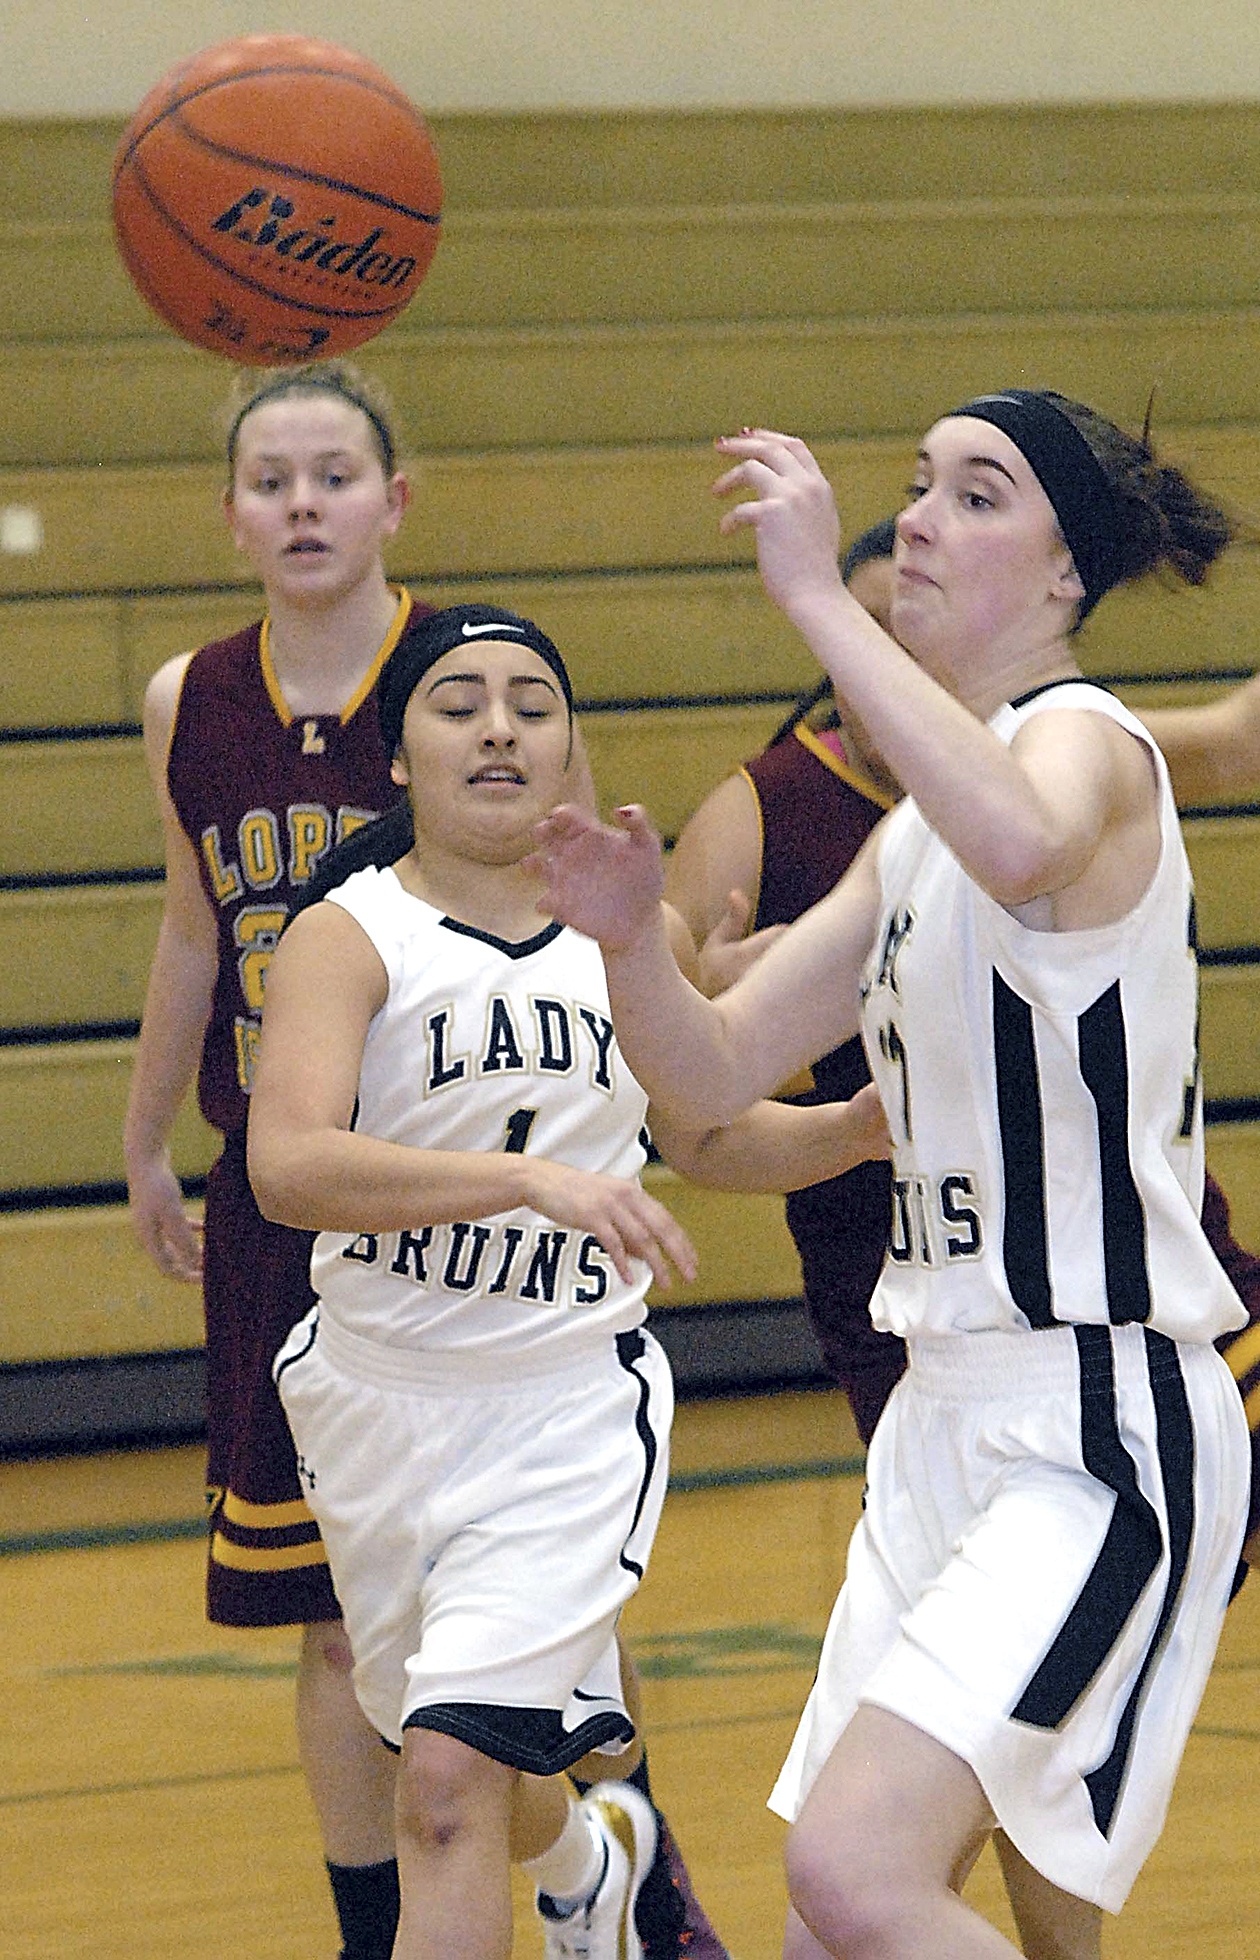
[(1165, 520), (340, 379), (876, 541), (379, 843)]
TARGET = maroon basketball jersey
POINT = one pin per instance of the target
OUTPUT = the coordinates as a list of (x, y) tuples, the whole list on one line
[(263, 795), (817, 811)]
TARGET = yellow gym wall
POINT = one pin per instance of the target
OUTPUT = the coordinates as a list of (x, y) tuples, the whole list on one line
[(68, 58)]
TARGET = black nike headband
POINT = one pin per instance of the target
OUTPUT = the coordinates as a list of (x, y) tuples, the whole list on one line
[(427, 638), (1089, 512)]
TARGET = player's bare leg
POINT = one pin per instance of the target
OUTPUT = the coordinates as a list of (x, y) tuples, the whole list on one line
[(1053, 1924), (453, 1820), (462, 1819), (348, 1770), (879, 1844)]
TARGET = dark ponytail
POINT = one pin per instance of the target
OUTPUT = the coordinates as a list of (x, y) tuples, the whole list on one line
[(1165, 519), (377, 844)]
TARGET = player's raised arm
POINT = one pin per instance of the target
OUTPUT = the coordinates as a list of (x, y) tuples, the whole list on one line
[(703, 1062)]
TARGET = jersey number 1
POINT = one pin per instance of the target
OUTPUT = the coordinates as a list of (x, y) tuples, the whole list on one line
[(519, 1125)]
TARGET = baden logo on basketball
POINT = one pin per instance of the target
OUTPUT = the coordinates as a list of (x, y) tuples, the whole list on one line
[(313, 244)]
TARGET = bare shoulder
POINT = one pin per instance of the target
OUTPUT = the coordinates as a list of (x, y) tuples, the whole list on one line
[(1091, 735), (718, 850), (161, 699), (322, 942)]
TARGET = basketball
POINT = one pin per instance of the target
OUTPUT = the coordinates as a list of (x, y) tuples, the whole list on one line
[(277, 198)]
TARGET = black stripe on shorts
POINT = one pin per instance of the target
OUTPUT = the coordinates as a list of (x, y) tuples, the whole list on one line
[(630, 1348), (1175, 1442), (1128, 1556), (530, 1739)]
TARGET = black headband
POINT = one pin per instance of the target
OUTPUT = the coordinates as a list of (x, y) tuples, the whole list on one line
[(427, 638), (1089, 513)]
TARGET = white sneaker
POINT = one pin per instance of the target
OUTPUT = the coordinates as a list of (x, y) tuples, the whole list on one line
[(603, 1928)]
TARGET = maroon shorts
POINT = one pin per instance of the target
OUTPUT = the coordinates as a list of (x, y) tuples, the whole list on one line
[(267, 1565), (1241, 1350), (841, 1230)]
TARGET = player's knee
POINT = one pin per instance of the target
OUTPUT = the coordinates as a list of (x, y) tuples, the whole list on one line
[(445, 1789), (832, 1894)]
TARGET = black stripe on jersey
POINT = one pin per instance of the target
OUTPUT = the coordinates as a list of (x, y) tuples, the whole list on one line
[(1047, 687), (279, 1367), (1174, 1430), (516, 949), (630, 1347), (1128, 1556), (1024, 1249), (1104, 1058)]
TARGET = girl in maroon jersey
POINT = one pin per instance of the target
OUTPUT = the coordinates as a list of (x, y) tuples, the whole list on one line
[(262, 749)]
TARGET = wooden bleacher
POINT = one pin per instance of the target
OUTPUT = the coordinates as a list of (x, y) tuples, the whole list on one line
[(611, 291)]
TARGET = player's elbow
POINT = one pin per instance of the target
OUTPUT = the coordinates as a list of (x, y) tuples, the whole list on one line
[(1031, 864), (278, 1177)]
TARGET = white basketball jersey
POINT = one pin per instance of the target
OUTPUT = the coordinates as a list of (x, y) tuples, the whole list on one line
[(485, 1045), (1042, 1090)]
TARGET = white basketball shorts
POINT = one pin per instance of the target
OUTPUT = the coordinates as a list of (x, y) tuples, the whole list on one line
[(484, 1531), (1051, 1527)]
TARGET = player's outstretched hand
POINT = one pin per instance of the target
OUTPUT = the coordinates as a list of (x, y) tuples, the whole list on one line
[(627, 1221), (170, 1237), (792, 513), (730, 948), (603, 880)]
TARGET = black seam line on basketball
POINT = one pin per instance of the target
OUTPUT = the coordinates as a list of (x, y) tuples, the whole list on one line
[(110, 1537), (395, 96), (288, 171), (253, 285)]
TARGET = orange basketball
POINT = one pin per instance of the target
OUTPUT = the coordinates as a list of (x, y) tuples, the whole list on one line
[(277, 198)]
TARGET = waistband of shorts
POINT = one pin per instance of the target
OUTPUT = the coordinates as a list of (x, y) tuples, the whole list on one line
[(494, 1370), (1072, 1357)]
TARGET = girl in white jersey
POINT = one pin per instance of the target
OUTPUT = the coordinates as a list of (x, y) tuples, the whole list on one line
[(482, 1420), (1057, 1488)]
